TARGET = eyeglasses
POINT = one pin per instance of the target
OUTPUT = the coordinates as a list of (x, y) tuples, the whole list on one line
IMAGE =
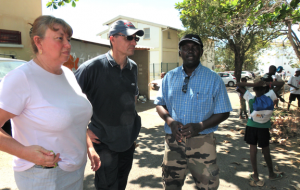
[(185, 84), (129, 38)]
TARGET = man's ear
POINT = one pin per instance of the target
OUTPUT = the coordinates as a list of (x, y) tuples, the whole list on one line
[(111, 39), (179, 53)]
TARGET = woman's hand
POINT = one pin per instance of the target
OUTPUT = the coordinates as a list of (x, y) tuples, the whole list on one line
[(40, 156), (94, 158)]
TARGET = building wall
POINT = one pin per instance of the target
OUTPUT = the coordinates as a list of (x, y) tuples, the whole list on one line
[(171, 43), (85, 51), (15, 15), (170, 56), (142, 58), (154, 36)]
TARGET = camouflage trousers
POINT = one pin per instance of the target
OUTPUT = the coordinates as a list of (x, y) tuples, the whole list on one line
[(197, 155)]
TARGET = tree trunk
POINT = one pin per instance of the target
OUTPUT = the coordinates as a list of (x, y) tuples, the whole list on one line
[(238, 63), (290, 37)]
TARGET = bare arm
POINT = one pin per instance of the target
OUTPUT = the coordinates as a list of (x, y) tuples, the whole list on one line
[(293, 86), (277, 84), (92, 154), (34, 153), (174, 125)]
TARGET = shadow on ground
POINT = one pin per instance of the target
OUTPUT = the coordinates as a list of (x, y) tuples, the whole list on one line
[(233, 157)]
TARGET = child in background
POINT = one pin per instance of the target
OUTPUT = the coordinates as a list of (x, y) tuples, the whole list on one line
[(242, 100), (257, 130), (294, 83)]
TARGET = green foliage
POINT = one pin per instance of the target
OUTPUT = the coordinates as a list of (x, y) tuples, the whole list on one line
[(242, 25), (218, 70), (58, 3)]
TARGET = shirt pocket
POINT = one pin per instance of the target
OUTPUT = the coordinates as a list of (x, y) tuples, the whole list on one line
[(202, 101)]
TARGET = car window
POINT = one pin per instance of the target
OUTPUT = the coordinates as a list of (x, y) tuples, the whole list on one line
[(225, 75), (6, 67), (243, 72)]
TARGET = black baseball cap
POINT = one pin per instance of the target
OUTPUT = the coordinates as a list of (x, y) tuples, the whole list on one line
[(191, 37), (125, 27)]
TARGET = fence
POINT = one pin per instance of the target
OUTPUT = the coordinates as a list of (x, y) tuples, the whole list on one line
[(157, 68)]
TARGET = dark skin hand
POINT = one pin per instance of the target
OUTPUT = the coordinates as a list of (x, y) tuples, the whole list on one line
[(261, 83), (191, 129)]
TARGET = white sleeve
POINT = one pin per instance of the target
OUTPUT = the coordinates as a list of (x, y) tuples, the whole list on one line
[(271, 94), (248, 96), (279, 79), (14, 92)]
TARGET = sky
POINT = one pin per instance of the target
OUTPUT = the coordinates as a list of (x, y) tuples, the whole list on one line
[(88, 16)]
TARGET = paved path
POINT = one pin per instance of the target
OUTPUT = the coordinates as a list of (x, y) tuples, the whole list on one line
[(146, 171)]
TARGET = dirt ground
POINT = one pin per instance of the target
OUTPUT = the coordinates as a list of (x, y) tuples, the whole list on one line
[(233, 156)]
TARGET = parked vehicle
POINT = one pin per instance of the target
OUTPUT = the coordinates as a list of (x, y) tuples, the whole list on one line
[(227, 78), (6, 65), (246, 74), (231, 72)]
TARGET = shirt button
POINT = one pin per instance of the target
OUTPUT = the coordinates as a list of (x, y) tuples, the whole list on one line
[(185, 102), (184, 115)]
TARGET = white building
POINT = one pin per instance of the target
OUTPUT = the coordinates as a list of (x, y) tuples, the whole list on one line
[(278, 55)]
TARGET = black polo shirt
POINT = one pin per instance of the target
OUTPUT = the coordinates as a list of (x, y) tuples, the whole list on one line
[(111, 92)]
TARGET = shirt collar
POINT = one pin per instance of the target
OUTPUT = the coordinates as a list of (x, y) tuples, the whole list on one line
[(113, 63), (194, 72)]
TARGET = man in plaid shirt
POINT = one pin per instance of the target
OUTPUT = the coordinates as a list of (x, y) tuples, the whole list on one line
[(192, 100)]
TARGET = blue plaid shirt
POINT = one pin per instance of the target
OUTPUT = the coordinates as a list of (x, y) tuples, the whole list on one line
[(206, 95)]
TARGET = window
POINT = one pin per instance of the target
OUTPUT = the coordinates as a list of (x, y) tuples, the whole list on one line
[(169, 35), (225, 75), (10, 37), (147, 33)]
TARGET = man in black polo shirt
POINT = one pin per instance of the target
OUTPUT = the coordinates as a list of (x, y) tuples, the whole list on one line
[(110, 83)]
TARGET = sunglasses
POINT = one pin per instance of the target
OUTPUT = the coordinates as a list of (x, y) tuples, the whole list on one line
[(129, 38), (185, 84)]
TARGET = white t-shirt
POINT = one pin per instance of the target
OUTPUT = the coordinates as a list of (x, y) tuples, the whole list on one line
[(51, 111), (278, 77), (295, 81)]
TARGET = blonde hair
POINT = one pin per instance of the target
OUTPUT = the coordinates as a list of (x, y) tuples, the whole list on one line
[(42, 23)]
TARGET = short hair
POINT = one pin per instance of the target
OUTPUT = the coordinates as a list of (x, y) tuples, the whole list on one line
[(42, 23), (244, 79)]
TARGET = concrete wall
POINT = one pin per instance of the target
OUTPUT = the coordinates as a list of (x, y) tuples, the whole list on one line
[(170, 56), (14, 15), (154, 40), (171, 43), (142, 58), (85, 50)]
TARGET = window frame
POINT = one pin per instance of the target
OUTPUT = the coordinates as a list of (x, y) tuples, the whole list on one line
[(10, 37), (145, 34)]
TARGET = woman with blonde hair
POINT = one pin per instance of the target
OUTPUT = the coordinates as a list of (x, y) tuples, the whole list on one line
[(49, 114)]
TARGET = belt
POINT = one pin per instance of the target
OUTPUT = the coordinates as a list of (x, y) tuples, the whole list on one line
[(44, 167)]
